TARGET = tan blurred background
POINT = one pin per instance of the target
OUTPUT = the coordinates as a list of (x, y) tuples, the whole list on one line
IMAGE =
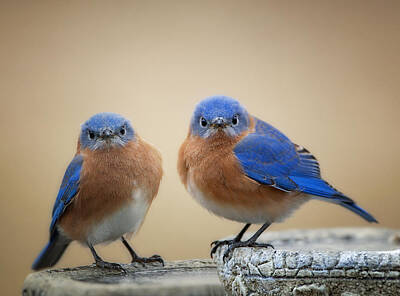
[(327, 73)]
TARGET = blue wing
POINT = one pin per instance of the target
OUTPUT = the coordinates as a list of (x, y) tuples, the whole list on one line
[(57, 244), (270, 158), (68, 189)]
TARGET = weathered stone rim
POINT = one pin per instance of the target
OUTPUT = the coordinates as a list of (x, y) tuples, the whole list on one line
[(315, 262), (296, 264), (178, 265), (84, 280)]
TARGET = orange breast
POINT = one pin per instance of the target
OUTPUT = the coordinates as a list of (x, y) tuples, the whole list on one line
[(210, 167), (108, 178)]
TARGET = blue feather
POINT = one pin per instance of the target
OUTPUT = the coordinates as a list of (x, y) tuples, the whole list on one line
[(68, 189), (57, 244), (270, 158), (359, 211), (52, 252)]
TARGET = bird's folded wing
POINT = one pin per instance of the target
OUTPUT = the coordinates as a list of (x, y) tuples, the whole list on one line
[(270, 158), (68, 189)]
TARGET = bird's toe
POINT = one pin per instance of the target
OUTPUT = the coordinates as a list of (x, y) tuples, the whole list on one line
[(216, 244), (241, 244)]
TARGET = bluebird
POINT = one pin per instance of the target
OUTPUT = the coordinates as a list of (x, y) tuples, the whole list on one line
[(106, 191), (243, 169)]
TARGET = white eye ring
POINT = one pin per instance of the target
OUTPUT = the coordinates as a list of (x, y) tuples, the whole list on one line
[(91, 135), (235, 120), (122, 131), (203, 122)]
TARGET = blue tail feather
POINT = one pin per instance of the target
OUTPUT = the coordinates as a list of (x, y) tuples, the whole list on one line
[(359, 211), (52, 252), (320, 188)]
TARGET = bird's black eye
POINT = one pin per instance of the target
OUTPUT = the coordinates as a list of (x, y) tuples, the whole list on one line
[(122, 131), (203, 122), (91, 135), (235, 120)]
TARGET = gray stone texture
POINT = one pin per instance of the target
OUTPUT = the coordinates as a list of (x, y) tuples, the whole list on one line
[(345, 262), (190, 277)]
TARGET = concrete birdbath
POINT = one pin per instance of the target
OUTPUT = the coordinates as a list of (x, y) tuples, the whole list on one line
[(346, 262), (190, 277)]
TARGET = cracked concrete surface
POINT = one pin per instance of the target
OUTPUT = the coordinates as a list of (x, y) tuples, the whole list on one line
[(348, 261)]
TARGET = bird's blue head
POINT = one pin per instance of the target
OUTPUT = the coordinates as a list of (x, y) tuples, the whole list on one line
[(219, 113), (106, 130)]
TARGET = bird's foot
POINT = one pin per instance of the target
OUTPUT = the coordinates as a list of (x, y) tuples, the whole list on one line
[(109, 265), (144, 260), (240, 244), (216, 244)]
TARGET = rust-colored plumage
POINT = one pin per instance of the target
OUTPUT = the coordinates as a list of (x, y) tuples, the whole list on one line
[(243, 169), (106, 191), (107, 181), (213, 175)]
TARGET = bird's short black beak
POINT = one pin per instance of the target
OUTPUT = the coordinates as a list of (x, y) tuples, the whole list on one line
[(218, 122), (106, 133)]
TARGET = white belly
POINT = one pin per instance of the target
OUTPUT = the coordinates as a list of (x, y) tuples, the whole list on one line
[(125, 220)]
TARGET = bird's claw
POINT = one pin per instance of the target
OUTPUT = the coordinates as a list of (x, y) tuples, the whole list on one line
[(216, 244), (241, 244), (110, 265), (144, 260)]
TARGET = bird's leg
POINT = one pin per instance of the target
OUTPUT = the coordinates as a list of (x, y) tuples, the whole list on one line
[(142, 260), (217, 243), (251, 242), (103, 264)]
